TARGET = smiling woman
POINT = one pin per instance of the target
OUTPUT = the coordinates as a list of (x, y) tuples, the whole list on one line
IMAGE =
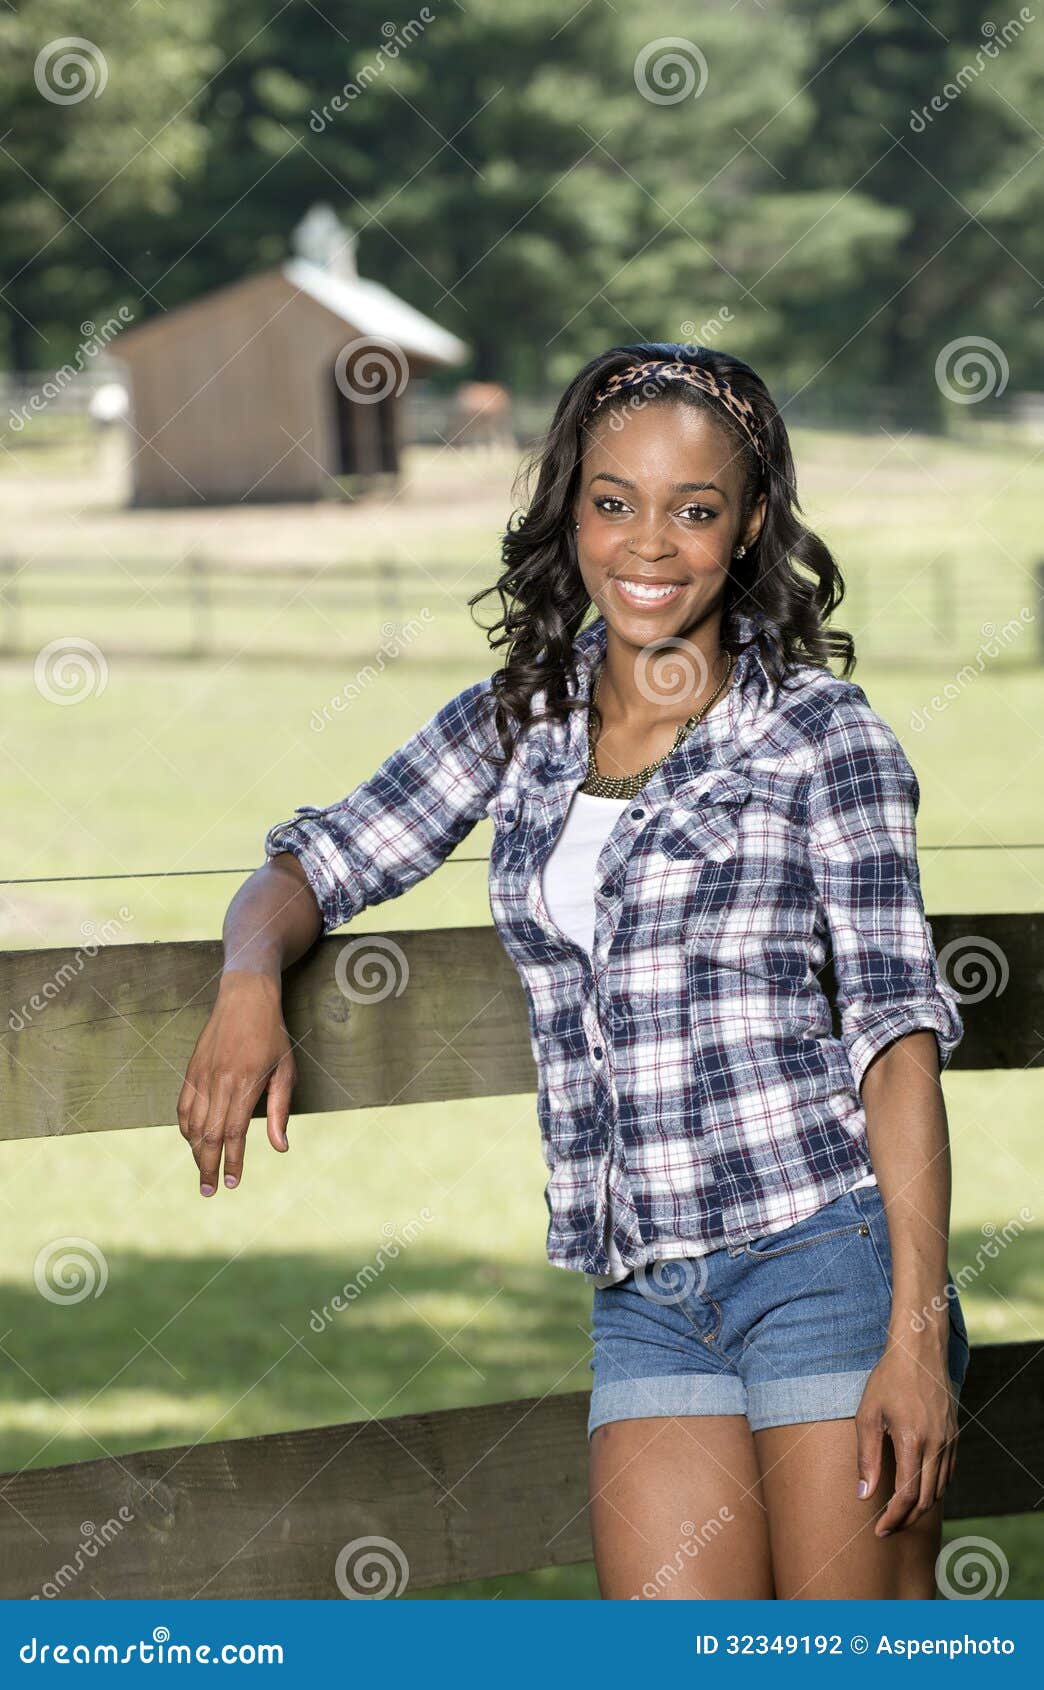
[(692, 814)]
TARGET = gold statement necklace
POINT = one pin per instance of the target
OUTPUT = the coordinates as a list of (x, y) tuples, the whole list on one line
[(629, 786)]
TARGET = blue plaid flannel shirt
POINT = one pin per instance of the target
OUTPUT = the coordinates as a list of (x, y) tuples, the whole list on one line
[(690, 1085)]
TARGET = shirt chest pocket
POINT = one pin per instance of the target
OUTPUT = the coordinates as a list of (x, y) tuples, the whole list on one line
[(752, 814)]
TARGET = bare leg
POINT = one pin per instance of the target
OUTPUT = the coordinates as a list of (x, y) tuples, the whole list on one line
[(822, 1533), (677, 1509)]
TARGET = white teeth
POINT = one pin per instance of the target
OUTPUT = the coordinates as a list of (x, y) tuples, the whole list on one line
[(635, 591)]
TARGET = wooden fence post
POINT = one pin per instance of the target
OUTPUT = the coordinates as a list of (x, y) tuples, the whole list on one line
[(199, 603), (9, 602)]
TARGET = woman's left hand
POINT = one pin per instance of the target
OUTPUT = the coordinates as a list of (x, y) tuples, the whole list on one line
[(908, 1399)]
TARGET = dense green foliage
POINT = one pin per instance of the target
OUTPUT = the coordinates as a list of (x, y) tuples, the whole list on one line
[(772, 189)]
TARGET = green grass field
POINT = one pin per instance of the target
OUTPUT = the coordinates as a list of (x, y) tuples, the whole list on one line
[(203, 1329)]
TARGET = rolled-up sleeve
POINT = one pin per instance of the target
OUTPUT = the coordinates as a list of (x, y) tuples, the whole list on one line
[(404, 820), (863, 800)]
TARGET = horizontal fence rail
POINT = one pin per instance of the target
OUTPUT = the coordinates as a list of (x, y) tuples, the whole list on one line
[(463, 1493), (94, 1043)]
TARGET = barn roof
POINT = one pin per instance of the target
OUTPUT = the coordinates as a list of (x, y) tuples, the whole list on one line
[(375, 310), (365, 306)]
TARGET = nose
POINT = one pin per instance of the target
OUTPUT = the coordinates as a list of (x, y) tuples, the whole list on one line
[(650, 539)]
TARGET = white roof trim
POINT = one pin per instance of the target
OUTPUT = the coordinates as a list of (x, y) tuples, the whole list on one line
[(375, 310)]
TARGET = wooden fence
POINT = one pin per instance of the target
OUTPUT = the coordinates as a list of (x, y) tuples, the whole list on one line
[(267, 1516), (195, 605)]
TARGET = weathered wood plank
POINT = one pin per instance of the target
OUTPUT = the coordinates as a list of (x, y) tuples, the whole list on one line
[(424, 1016), (460, 1494), (376, 1019)]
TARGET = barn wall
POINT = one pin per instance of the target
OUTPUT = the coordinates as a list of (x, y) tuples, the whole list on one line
[(219, 399)]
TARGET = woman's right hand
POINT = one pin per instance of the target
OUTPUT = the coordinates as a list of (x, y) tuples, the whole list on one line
[(243, 1047)]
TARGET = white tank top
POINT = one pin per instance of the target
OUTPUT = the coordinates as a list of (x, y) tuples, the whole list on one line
[(567, 884)]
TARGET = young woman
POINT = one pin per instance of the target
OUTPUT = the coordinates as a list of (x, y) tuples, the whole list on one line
[(694, 818)]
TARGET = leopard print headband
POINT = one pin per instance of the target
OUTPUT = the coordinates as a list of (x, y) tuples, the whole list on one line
[(635, 375)]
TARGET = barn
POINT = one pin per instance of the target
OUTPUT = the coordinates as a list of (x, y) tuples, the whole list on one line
[(277, 386)]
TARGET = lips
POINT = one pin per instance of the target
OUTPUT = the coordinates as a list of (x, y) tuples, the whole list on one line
[(643, 594)]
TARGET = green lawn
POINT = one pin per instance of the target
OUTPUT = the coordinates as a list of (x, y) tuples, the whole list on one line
[(203, 1328)]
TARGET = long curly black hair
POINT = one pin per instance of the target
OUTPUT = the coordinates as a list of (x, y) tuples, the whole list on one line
[(788, 580)]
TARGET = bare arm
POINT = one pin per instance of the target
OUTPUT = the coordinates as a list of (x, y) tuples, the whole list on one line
[(908, 1394), (244, 1047)]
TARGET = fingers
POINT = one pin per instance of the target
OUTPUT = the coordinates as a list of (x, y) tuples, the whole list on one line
[(211, 1140), (908, 1461), (280, 1091), (869, 1444)]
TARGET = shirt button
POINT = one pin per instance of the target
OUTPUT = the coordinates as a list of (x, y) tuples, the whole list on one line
[(636, 815), (509, 815), (608, 888), (598, 1053)]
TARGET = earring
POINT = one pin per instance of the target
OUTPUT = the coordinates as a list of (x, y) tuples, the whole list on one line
[(741, 551)]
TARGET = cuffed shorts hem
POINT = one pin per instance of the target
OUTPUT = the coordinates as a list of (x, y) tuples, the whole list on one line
[(674, 1394), (777, 1402)]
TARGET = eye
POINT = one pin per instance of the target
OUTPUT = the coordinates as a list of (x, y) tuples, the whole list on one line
[(697, 513), (605, 500)]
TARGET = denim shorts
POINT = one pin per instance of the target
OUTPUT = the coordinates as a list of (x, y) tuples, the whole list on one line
[(782, 1329)]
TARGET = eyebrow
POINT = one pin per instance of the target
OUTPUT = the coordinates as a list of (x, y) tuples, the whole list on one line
[(676, 486)]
